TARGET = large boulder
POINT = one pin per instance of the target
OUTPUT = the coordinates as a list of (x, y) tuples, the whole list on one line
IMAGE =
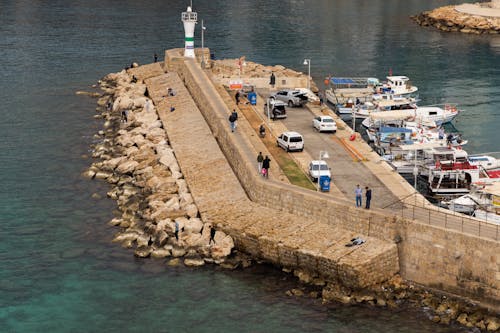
[(127, 167)]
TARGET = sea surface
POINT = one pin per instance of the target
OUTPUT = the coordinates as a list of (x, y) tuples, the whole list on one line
[(59, 271)]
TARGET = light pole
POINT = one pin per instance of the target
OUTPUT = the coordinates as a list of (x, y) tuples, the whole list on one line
[(203, 28), (308, 63), (323, 154)]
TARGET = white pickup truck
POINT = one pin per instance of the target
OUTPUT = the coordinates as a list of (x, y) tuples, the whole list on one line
[(291, 97)]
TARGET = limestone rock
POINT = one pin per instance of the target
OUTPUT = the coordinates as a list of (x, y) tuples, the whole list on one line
[(127, 167), (160, 253), (143, 251), (174, 262), (193, 225), (178, 252), (194, 262)]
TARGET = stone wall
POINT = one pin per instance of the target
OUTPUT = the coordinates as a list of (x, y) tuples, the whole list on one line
[(435, 257)]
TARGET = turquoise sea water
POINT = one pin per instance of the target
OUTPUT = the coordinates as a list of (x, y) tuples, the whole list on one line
[(59, 272)]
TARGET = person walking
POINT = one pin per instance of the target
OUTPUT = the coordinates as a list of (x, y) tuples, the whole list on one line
[(237, 97), (359, 196), (233, 118), (368, 194), (260, 159), (212, 235), (266, 163)]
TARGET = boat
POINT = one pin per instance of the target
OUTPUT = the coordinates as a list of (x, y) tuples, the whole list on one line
[(344, 88), (483, 202), (449, 172), (420, 114), (485, 161), (398, 85)]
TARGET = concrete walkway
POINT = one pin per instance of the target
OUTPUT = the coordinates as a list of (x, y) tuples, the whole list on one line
[(477, 10)]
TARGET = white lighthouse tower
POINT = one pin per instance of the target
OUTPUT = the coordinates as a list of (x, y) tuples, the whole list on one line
[(189, 18)]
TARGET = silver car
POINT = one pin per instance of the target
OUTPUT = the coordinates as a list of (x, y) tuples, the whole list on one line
[(291, 97)]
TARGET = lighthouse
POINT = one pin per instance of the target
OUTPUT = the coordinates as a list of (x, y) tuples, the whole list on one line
[(189, 18)]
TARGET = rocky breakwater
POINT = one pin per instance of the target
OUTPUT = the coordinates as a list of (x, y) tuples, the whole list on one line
[(450, 19), (152, 196)]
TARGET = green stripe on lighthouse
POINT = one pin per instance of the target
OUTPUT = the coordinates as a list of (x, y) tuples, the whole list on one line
[(189, 39)]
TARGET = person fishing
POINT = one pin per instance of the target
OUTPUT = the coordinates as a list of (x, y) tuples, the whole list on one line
[(262, 131)]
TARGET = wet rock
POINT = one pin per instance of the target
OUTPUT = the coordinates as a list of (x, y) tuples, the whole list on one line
[(160, 253), (194, 262), (143, 251), (174, 262), (178, 252)]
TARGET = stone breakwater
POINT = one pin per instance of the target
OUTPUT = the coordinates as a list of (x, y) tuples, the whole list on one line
[(143, 138), (147, 183), (449, 19)]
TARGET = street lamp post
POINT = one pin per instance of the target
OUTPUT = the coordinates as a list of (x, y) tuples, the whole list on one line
[(308, 63), (203, 28), (323, 154)]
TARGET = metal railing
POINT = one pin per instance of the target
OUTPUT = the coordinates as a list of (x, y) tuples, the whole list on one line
[(416, 207)]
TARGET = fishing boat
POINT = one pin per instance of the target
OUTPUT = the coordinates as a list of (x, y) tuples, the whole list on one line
[(343, 89), (449, 172), (397, 85), (483, 202)]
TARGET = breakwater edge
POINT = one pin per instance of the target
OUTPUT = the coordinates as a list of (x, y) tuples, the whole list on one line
[(152, 195)]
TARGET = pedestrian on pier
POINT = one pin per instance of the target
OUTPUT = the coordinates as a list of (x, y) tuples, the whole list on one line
[(237, 97), (124, 117), (233, 120), (156, 57), (260, 159), (212, 235), (266, 164), (272, 80), (359, 196), (176, 230), (368, 194)]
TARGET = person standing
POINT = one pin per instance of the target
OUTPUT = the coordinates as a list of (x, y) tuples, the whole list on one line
[(368, 194), (359, 196), (237, 97), (212, 235), (272, 80), (156, 57), (233, 119), (176, 230), (260, 159), (266, 163), (441, 133)]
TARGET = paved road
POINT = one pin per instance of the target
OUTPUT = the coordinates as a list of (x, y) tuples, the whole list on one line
[(345, 172)]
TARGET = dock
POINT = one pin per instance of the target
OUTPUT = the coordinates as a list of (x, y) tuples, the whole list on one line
[(298, 228)]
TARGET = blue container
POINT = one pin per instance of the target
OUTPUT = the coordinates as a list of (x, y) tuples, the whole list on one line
[(324, 183), (252, 97)]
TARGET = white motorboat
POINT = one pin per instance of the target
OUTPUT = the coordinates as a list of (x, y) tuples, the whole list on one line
[(483, 202), (398, 85), (423, 114), (485, 161)]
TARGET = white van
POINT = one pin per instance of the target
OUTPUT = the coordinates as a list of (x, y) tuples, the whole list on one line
[(290, 141)]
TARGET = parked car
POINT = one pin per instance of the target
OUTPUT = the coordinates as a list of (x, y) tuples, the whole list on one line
[(291, 97), (324, 124), (276, 109), (319, 168), (290, 141)]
